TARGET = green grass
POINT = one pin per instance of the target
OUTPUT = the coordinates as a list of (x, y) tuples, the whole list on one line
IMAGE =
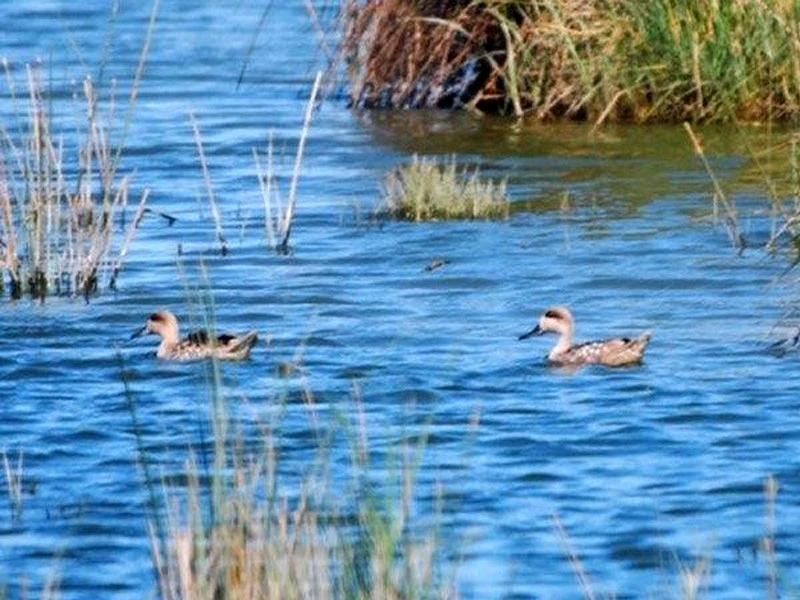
[(430, 190)]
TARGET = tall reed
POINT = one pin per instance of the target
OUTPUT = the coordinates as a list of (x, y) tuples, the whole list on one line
[(212, 199)]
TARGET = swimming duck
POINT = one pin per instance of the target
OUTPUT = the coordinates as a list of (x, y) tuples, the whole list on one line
[(616, 352), (197, 345)]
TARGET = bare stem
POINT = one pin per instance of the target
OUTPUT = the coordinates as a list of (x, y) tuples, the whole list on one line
[(288, 218)]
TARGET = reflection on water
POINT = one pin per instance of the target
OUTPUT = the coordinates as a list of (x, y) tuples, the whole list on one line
[(648, 468)]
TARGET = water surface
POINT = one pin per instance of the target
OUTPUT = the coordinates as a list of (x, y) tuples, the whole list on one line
[(648, 468)]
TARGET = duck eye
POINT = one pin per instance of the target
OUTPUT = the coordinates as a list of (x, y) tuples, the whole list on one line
[(552, 314), (154, 317)]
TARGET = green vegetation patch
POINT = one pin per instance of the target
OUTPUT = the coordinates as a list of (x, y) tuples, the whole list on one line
[(430, 190)]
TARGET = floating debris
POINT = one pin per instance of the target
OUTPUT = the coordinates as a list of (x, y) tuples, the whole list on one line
[(436, 264)]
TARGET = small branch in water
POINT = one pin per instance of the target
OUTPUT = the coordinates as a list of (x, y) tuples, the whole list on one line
[(436, 264), (169, 218)]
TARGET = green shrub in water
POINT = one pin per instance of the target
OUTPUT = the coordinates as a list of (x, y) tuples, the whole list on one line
[(429, 190)]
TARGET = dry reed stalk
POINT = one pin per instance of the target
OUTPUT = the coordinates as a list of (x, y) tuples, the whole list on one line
[(288, 217), (695, 579), (126, 244), (731, 214), (198, 138), (14, 484), (9, 247), (770, 531), (574, 560), (134, 96), (265, 183)]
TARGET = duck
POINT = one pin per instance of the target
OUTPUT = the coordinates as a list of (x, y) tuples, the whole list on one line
[(197, 345), (614, 352)]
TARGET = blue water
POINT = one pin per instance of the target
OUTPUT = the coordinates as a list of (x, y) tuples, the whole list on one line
[(648, 468)]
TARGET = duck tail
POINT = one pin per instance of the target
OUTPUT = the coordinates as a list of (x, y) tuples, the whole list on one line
[(245, 344), (643, 340)]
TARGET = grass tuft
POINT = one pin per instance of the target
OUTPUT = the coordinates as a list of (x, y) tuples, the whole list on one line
[(429, 190)]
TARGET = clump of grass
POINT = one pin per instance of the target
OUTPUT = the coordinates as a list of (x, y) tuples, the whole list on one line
[(261, 544), (63, 201), (430, 190), (621, 60)]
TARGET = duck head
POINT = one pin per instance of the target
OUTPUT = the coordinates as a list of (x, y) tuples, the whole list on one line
[(557, 319)]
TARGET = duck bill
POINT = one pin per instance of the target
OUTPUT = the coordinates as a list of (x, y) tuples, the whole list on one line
[(535, 331), (138, 332)]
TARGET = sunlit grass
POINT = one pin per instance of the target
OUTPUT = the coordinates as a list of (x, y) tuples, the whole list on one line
[(432, 190)]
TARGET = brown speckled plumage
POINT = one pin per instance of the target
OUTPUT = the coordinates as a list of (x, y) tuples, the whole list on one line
[(197, 345), (616, 352)]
